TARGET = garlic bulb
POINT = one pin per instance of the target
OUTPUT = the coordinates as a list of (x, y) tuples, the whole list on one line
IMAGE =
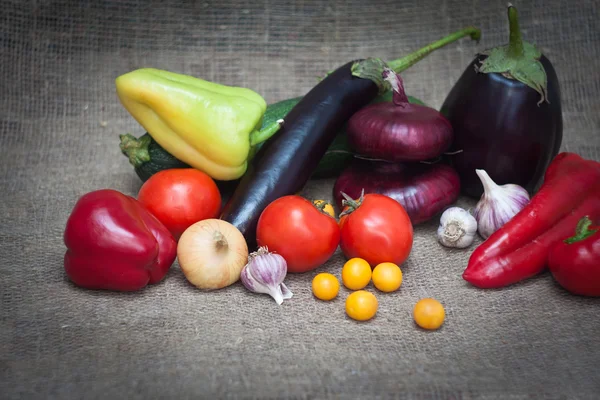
[(264, 273), (498, 204), (457, 228)]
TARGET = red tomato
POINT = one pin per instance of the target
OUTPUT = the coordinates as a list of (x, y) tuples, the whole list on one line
[(180, 197), (294, 228), (377, 230)]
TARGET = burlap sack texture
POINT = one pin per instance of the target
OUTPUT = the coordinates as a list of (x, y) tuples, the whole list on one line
[(59, 124)]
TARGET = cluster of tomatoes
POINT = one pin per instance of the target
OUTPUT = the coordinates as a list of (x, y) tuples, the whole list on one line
[(375, 228)]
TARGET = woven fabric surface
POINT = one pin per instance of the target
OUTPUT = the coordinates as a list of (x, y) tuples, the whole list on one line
[(59, 126)]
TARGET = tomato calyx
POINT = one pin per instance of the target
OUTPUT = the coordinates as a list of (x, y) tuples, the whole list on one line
[(351, 204)]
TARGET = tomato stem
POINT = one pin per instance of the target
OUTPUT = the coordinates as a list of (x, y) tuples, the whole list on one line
[(351, 203)]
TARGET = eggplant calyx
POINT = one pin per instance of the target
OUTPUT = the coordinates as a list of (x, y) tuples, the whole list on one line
[(351, 203), (518, 60), (371, 68)]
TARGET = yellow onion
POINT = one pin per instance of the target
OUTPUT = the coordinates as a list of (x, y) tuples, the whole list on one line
[(212, 253)]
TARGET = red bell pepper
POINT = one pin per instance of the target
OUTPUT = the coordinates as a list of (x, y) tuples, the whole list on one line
[(114, 243), (519, 249), (575, 262)]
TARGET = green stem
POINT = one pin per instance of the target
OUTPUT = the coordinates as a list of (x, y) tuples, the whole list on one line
[(265, 134), (135, 149), (351, 203), (582, 231), (372, 68), (408, 61), (515, 44)]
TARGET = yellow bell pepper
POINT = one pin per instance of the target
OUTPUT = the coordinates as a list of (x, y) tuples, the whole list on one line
[(209, 126)]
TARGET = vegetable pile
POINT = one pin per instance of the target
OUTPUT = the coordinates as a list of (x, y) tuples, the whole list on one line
[(222, 174)]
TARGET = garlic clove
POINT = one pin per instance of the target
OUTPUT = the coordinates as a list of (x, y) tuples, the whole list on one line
[(264, 273), (498, 204), (280, 293), (287, 293)]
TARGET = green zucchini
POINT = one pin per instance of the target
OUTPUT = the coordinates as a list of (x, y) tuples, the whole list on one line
[(148, 157)]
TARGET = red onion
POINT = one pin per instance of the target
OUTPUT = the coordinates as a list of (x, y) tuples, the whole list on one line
[(398, 130), (424, 190)]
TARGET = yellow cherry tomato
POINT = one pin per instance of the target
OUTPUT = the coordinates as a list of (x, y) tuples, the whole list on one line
[(429, 314), (356, 273), (327, 208), (387, 277), (361, 305), (325, 286)]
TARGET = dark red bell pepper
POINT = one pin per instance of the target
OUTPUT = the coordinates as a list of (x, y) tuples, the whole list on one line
[(575, 262), (114, 243), (519, 249)]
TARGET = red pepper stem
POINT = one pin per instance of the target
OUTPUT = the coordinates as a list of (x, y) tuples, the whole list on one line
[(399, 97), (582, 231), (515, 44)]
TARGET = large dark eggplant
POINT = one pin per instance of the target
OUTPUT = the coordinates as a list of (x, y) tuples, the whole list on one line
[(506, 114)]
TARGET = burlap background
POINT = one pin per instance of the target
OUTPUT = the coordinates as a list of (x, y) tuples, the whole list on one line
[(59, 121)]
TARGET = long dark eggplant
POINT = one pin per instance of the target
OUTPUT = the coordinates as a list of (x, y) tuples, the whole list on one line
[(285, 162)]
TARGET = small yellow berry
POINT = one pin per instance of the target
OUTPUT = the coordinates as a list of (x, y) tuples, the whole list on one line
[(325, 286), (429, 314), (361, 305), (356, 273), (387, 277)]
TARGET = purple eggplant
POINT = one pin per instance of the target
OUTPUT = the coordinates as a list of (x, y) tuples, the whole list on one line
[(424, 190), (506, 113)]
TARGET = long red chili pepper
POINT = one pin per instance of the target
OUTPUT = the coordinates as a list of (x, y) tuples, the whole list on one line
[(519, 250)]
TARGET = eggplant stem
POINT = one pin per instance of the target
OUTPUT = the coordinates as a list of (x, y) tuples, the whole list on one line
[(411, 59), (371, 68), (515, 44)]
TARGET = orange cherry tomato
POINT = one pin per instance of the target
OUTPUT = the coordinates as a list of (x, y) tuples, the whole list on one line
[(387, 277), (429, 314), (356, 274), (325, 286), (361, 305)]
